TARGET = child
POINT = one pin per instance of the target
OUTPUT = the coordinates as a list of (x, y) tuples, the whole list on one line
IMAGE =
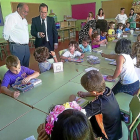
[(136, 52), (127, 29), (14, 74), (66, 122), (41, 54), (96, 41), (90, 17), (103, 35), (119, 31), (103, 111), (111, 32), (85, 47), (129, 82), (72, 53)]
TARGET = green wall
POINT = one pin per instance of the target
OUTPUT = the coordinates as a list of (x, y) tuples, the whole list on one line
[(60, 7)]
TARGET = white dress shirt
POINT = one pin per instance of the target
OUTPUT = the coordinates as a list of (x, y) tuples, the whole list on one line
[(16, 29), (45, 21)]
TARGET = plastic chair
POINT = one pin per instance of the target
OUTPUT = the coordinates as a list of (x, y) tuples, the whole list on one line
[(3, 48), (3, 70), (123, 100), (62, 51)]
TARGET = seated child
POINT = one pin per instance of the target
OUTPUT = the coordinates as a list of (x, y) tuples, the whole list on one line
[(103, 111), (119, 31), (136, 52), (67, 123), (41, 54), (103, 35), (14, 74), (127, 29), (129, 82), (96, 41), (85, 47), (111, 31), (72, 53)]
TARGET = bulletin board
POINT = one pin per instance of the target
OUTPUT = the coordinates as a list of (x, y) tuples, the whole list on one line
[(1, 17), (80, 11), (33, 10)]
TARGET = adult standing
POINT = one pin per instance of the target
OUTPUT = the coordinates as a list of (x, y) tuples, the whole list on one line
[(122, 17), (132, 18), (44, 29), (88, 29), (16, 33), (101, 14)]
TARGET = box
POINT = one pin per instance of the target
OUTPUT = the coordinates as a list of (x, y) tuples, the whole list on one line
[(63, 24), (58, 67)]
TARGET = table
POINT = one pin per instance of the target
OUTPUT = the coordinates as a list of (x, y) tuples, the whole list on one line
[(10, 110), (51, 82), (24, 127)]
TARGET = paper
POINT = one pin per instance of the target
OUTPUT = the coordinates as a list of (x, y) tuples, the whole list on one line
[(109, 59), (97, 50), (30, 138), (91, 68), (113, 63), (102, 45), (81, 101), (105, 78), (58, 67), (92, 57), (124, 35)]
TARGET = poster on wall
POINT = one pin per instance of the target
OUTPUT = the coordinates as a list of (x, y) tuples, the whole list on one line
[(1, 17)]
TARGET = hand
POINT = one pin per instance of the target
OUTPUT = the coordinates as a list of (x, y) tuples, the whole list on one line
[(55, 46), (43, 135), (26, 80), (15, 94), (40, 127), (102, 54), (81, 94), (52, 53), (41, 34), (69, 58), (109, 77)]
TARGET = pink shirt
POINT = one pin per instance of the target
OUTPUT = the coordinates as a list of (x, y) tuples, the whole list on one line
[(95, 45)]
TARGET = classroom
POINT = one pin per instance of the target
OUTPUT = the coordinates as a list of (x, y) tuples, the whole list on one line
[(70, 70)]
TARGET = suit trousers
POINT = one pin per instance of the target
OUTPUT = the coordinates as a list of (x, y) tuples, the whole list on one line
[(22, 52)]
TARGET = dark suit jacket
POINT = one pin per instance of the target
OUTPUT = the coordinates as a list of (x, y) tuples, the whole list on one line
[(51, 31)]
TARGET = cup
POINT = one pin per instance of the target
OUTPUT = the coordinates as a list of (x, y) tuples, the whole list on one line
[(131, 31)]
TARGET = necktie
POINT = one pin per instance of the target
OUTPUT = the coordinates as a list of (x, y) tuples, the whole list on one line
[(43, 27)]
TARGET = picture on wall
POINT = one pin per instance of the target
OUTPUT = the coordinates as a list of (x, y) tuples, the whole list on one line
[(1, 17)]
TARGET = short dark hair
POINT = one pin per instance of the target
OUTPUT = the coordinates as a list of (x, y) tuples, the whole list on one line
[(127, 23), (86, 39), (122, 8), (12, 61), (20, 5), (111, 22), (41, 54), (93, 81), (75, 43), (119, 25), (123, 46), (72, 125), (43, 5)]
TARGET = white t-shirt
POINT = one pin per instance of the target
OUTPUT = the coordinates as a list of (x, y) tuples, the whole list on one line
[(128, 74), (16, 29), (68, 54), (121, 18)]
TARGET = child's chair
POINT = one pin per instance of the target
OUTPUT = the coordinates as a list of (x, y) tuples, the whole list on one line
[(3, 70), (2, 48)]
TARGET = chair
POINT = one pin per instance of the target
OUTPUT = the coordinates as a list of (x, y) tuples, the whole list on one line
[(2, 48), (62, 51), (123, 100), (3, 70)]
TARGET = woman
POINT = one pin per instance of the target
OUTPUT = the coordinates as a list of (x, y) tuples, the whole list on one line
[(122, 17), (132, 18), (90, 17), (100, 14), (88, 29)]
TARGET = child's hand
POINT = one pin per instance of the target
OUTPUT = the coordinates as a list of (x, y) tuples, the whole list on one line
[(69, 58), (26, 80), (102, 54), (43, 135), (52, 53), (15, 94), (81, 94), (109, 77), (40, 127)]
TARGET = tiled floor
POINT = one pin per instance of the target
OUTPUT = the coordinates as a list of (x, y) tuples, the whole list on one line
[(34, 65)]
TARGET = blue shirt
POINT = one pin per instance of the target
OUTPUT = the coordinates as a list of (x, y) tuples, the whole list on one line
[(127, 29), (119, 31), (87, 49), (102, 37)]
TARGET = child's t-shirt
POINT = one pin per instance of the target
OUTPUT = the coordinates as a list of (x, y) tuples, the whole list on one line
[(87, 49), (10, 78), (127, 29), (68, 54), (119, 31), (111, 32), (95, 45), (102, 37), (104, 111), (44, 66)]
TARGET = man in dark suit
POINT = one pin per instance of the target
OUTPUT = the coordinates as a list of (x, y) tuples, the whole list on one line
[(43, 28)]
